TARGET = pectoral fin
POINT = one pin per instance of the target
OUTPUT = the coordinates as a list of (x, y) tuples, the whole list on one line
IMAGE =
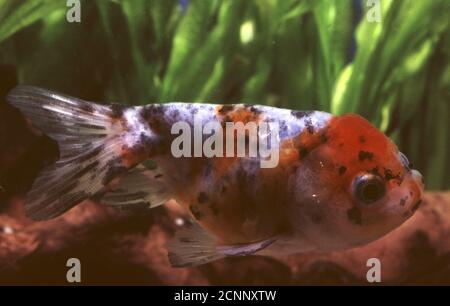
[(194, 246)]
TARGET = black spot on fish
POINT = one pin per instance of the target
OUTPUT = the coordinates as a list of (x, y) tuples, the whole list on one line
[(416, 206), (193, 110), (154, 115), (301, 114), (354, 216), (362, 139), (202, 197), (66, 190), (225, 109), (144, 140), (302, 151), (195, 212), (323, 137), (152, 110), (309, 126), (113, 172), (388, 175), (375, 171), (92, 126), (363, 155), (283, 127), (74, 197), (90, 155), (175, 113), (255, 110), (124, 197), (227, 119), (156, 124), (87, 107), (85, 170), (186, 239), (116, 110), (342, 170), (402, 202)]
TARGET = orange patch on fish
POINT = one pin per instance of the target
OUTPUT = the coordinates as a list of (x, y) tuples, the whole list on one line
[(230, 113), (359, 144)]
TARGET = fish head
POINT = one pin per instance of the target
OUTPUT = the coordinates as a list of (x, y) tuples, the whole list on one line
[(353, 188)]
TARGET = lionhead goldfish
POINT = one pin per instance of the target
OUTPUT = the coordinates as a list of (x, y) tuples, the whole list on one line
[(339, 182)]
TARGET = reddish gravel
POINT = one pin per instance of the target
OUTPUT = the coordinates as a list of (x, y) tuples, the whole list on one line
[(122, 248)]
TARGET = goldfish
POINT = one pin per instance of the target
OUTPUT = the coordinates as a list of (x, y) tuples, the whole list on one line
[(338, 183)]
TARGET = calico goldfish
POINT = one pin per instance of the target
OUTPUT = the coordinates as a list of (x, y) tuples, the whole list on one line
[(339, 182)]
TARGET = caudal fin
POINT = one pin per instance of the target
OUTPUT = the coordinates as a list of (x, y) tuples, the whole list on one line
[(90, 138)]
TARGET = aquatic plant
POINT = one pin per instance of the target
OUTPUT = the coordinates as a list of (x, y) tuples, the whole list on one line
[(321, 54)]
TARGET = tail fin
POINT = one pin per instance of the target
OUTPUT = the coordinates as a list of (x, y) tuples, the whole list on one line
[(90, 138)]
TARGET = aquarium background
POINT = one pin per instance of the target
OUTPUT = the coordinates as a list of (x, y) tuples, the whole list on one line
[(307, 55), (298, 54)]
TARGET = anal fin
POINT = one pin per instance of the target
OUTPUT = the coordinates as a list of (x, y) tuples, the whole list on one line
[(194, 246)]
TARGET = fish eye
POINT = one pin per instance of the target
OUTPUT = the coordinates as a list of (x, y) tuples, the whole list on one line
[(369, 188)]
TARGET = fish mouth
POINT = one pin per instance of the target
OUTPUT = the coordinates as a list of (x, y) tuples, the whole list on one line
[(416, 175)]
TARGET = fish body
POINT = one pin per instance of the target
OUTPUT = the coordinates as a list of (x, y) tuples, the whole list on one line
[(338, 181)]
